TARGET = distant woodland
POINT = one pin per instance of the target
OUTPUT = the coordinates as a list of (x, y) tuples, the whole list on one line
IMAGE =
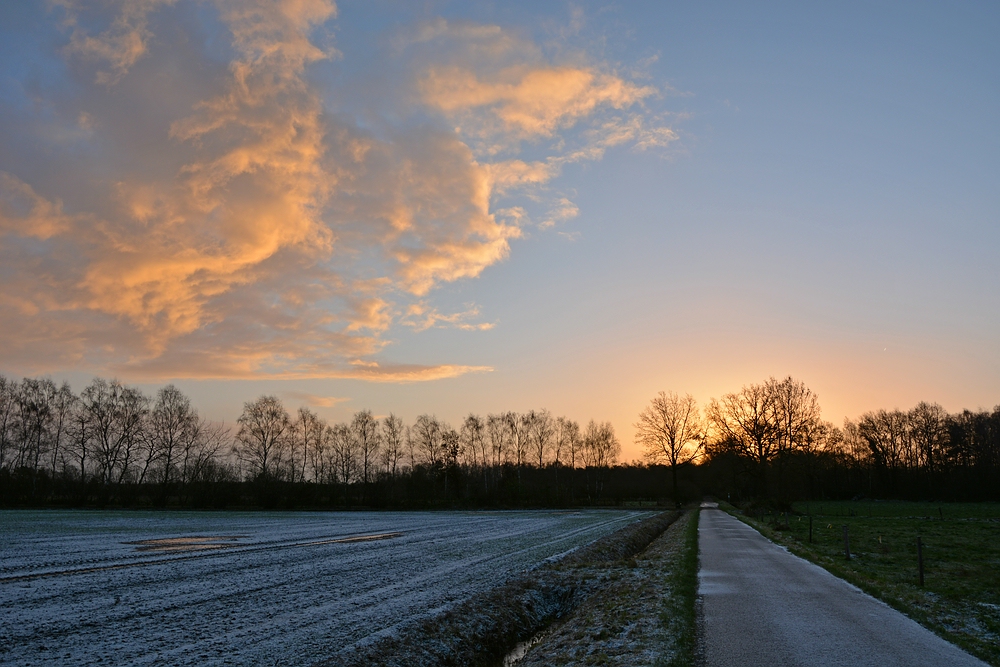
[(111, 445)]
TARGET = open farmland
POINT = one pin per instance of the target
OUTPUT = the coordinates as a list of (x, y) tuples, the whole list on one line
[(84, 588)]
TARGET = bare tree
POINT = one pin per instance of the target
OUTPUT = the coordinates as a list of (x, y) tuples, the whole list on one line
[(496, 430), (473, 435), (572, 441), (80, 447), (600, 451), (345, 451), (601, 446), (517, 437), (320, 456), (173, 428), (795, 413), (929, 433), (393, 435), (8, 399), (200, 455), (852, 445), (451, 451), (33, 402), (427, 438), (474, 443), (539, 432), (117, 416), (63, 405), (451, 447), (263, 436), (670, 430), (308, 435), (742, 422), (366, 432), (887, 435), (411, 447)]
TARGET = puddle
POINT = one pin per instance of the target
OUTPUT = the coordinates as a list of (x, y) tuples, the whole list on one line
[(175, 544), (521, 649)]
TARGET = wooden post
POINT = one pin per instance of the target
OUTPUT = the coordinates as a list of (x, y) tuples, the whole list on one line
[(920, 560), (810, 528), (941, 512), (847, 544)]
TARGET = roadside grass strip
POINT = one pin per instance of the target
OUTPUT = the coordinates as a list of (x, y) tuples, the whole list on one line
[(960, 598), (642, 614), (486, 628)]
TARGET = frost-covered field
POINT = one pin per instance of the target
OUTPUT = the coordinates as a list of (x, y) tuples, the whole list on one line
[(180, 588)]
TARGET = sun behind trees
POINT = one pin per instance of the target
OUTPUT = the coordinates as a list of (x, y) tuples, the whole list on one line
[(768, 442), (765, 424), (112, 445)]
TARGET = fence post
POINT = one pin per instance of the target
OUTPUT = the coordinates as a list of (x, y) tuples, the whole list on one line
[(810, 528), (920, 560), (847, 544)]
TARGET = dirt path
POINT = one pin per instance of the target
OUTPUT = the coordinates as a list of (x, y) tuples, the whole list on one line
[(765, 606)]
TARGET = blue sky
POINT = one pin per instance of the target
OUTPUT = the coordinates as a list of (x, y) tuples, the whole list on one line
[(805, 190)]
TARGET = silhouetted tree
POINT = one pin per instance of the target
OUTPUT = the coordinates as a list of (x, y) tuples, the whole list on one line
[(742, 423), (670, 430), (365, 429), (263, 436), (308, 436), (173, 428), (393, 435)]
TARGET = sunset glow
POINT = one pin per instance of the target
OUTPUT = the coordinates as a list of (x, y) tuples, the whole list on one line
[(448, 208)]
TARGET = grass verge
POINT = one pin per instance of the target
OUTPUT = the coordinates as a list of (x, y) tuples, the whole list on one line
[(642, 612), (960, 599), (680, 616)]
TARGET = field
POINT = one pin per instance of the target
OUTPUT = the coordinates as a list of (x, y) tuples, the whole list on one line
[(960, 599), (172, 588)]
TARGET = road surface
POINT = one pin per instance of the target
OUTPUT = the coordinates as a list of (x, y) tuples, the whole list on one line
[(763, 606)]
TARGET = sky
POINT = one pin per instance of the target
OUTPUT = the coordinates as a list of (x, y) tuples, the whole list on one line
[(454, 207)]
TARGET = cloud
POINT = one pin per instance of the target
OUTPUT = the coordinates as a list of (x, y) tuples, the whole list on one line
[(527, 102), (420, 316), (23, 212), (565, 210), (508, 175), (316, 401), (120, 45), (198, 202)]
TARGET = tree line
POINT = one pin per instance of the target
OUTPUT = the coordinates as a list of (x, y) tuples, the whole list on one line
[(114, 445), (768, 441)]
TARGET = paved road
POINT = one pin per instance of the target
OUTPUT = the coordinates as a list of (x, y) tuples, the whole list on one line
[(764, 606)]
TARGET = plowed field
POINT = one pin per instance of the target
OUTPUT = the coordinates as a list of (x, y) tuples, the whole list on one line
[(170, 588)]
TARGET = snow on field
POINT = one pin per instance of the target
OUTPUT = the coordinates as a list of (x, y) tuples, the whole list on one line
[(186, 588)]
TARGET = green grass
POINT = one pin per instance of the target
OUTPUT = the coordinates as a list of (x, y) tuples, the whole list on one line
[(681, 615), (960, 599)]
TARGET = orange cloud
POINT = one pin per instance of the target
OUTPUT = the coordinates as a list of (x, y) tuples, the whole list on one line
[(120, 45), (421, 317), (316, 401), (526, 101), (253, 230), (257, 188), (23, 212)]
